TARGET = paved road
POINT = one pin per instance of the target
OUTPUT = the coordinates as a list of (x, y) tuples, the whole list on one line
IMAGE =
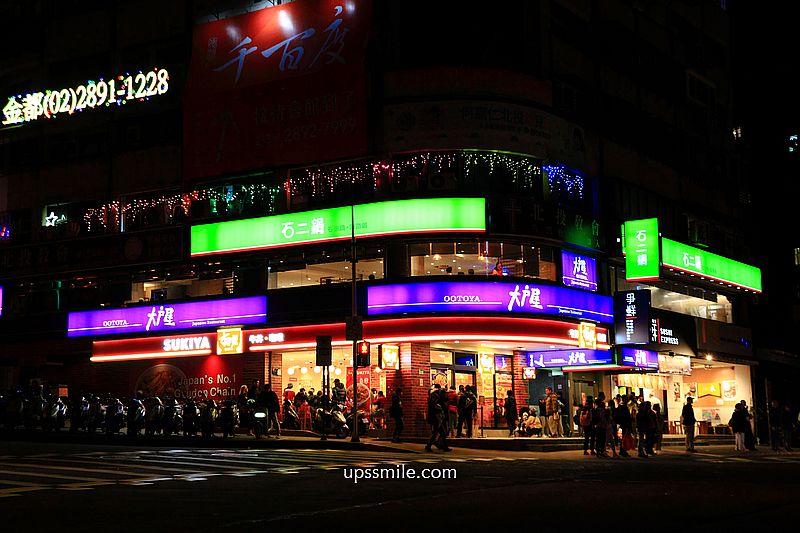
[(86, 488)]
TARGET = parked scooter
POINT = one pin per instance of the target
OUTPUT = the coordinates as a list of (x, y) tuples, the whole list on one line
[(208, 418), (115, 416), (290, 418), (362, 422), (228, 418), (331, 421), (136, 417), (173, 419), (259, 421), (78, 414), (96, 416), (190, 418), (33, 411), (154, 417), (55, 414)]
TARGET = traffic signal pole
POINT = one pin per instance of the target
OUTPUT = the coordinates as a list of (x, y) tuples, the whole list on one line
[(354, 430)]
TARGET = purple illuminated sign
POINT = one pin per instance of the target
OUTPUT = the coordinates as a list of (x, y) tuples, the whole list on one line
[(578, 271), (562, 358), (639, 358), (487, 297), (168, 317), (1, 301)]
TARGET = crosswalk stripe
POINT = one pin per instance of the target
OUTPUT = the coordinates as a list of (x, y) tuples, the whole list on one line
[(105, 463), (79, 469), (5, 493), (54, 476)]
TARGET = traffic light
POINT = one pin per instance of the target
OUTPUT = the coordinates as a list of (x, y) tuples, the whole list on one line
[(362, 353)]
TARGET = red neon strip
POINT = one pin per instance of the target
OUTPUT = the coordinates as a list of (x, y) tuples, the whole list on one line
[(143, 356)]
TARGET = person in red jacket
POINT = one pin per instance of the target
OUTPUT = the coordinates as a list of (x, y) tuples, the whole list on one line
[(452, 410)]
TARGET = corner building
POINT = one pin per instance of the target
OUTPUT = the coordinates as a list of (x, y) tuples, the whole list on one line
[(192, 232)]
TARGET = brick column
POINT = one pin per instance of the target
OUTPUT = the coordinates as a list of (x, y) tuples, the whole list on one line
[(414, 378), (520, 383), (255, 367)]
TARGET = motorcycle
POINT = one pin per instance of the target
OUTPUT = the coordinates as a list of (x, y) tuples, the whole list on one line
[(363, 422), (136, 417), (115, 416), (258, 422), (290, 418), (208, 418), (228, 418), (173, 419), (190, 416), (331, 420), (96, 416), (154, 417)]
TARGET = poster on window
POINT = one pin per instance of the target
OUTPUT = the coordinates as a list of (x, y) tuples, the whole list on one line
[(214, 376), (363, 387), (689, 389)]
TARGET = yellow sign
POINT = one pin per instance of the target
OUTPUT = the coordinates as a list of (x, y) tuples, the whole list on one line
[(390, 357), (709, 389), (587, 337), (529, 372), (229, 341)]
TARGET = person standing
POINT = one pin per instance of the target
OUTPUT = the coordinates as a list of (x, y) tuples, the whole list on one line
[(511, 412), (470, 409), (460, 410), (600, 426), (564, 422), (543, 415), (749, 435), (622, 417), (688, 420), (658, 435), (774, 413), (452, 410), (396, 412), (643, 426), (551, 409), (737, 423), (585, 421), (436, 417), (788, 419), (288, 393)]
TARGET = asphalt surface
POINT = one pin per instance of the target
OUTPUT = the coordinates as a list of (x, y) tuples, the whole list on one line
[(71, 487)]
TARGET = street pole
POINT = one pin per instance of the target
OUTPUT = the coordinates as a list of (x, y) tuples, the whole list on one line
[(354, 430)]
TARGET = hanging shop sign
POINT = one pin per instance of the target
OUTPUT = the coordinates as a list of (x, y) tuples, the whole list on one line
[(639, 358), (674, 364), (587, 335), (632, 317), (578, 271), (104, 92), (168, 317), (641, 247), (528, 372), (486, 363), (430, 215), (713, 267), (567, 358), (389, 357), (277, 86), (672, 332), (487, 297)]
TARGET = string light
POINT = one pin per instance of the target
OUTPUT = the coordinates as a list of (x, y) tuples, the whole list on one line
[(563, 181), (525, 171)]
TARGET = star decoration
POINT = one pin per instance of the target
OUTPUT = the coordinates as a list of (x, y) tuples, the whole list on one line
[(50, 220)]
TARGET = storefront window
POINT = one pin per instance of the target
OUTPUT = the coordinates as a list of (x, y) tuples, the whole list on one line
[(685, 300), (482, 259), (326, 273)]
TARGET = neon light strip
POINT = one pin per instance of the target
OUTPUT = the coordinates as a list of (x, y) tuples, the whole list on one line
[(711, 278), (591, 368), (151, 355)]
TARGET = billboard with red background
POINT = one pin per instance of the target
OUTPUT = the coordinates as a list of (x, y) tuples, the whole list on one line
[(283, 85)]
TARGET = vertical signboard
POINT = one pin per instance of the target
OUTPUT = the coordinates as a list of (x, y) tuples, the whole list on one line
[(631, 317), (641, 249)]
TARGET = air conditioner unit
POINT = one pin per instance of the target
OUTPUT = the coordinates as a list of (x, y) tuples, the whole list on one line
[(441, 181)]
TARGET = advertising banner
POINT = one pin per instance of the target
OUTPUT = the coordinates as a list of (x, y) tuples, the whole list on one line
[(672, 332), (277, 86), (168, 317), (215, 377), (364, 388), (487, 297), (641, 247)]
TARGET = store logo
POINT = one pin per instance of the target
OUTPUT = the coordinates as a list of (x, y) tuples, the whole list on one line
[(533, 296), (468, 298), (186, 344)]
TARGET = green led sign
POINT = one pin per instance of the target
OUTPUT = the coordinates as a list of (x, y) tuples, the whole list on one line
[(429, 215), (641, 249), (685, 258)]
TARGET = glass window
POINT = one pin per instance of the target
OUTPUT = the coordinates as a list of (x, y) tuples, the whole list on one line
[(797, 256), (685, 300), (325, 273), (482, 259)]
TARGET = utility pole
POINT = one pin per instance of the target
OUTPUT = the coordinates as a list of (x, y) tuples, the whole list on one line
[(354, 430)]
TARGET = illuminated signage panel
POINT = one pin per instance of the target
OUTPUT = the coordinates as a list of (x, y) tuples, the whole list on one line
[(578, 271), (637, 357), (487, 297), (567, 358), (168, 317), (641, 249), (703, 264), (429, 215)]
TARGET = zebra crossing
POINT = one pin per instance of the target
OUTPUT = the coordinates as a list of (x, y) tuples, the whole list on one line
[(25, 474)]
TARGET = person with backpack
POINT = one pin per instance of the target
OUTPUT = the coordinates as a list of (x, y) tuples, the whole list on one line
[(469, 408), (437, 410), (585, 421), (511, 413)]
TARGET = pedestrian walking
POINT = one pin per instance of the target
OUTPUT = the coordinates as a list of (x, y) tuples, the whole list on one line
[(553, 415), (452, 411), (470, 408), (738, 424), (658, 435), (460, 410), (273, 408), (643, 427), (688, 421), (585, 421), (437, 403)]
